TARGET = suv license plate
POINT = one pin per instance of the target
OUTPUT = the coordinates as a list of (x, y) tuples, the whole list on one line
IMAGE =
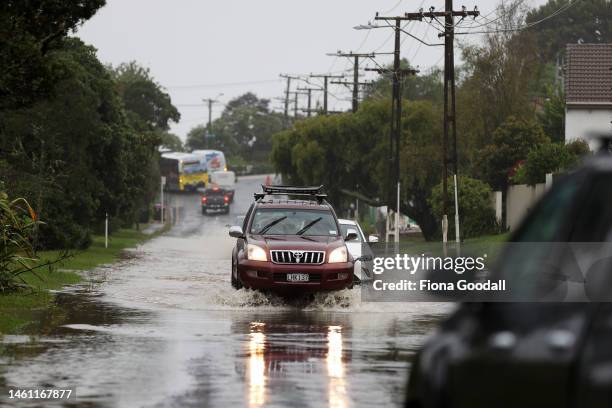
[(298, 277)]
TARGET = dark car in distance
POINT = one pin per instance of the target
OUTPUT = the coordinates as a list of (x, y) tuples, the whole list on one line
[(215, 199), (291, 241), (535, 354)]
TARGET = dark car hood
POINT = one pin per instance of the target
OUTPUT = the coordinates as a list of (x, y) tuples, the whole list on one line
[(299, 242)]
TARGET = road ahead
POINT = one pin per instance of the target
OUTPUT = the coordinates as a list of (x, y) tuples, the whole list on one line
[(165, 328)]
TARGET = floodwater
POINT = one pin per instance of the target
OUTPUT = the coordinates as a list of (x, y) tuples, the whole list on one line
[(165, 328)]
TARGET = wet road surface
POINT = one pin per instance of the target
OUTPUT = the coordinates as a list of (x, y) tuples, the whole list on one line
[(165, 328)]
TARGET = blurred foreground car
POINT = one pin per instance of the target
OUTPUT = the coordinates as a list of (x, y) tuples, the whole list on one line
[(359, 250), (531, 354), (291, 245)]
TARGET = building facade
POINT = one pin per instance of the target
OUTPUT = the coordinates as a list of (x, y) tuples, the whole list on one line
[(588, 91)]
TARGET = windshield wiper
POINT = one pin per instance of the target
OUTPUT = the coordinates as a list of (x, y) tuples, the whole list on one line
[(307, 226), (270, 225)]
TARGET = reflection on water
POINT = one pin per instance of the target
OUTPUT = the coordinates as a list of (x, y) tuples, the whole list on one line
[(264, 358), (257, 365), (335, 368)]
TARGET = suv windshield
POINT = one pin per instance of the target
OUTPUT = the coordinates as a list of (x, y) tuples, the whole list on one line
[(293, 222)]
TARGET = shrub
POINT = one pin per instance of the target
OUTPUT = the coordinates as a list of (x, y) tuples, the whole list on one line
[(476, 214), (16, 253), (551, 158), (510, 143), (18, 226), (578, 148)]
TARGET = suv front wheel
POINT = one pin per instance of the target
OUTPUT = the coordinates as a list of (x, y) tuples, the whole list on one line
[(236, 284)]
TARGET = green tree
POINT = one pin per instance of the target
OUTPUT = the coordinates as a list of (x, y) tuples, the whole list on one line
[(148, 106), (348, 153), (496, 81), (244, 129), (510, 144), (475, 210), (149, 111), (73, 156), (587, 21), (551, 158), (425, 86), (29, 32), (552, 117), (171, 141), (421, 164)]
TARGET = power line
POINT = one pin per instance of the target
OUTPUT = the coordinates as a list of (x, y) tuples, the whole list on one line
[(223, 84), (526, 26), (394, 7), (487, 21)]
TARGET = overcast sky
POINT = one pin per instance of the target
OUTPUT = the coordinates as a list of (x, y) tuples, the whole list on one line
[(200, 48)]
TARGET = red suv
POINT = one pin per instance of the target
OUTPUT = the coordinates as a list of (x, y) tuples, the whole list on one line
[(291, 241)]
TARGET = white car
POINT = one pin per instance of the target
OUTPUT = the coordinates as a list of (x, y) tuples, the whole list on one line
[(358, 247)]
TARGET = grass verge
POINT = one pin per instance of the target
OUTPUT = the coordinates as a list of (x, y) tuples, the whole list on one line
[(17, 310)]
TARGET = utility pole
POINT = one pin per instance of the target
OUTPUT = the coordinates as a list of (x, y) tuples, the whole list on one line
[(295, 100), (450, 122), (210, 102), (397, 74), (449, 93), (326, 78), (288, 78), (308, 91), (355, 82)]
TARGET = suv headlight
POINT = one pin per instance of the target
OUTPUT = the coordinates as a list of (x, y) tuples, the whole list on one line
[(256, 253), (338, 255)]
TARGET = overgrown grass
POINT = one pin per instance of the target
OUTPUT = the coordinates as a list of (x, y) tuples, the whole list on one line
[(17, 309), (97, 254)]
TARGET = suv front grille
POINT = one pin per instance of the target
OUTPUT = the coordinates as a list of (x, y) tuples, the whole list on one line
[(298, 257)]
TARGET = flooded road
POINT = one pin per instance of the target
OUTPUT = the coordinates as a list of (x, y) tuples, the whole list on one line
[(167, 329)]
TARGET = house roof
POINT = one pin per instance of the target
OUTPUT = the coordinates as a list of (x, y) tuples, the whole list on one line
[(588, 74)]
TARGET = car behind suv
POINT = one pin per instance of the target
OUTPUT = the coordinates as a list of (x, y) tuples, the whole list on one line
[(215, 199), (291, 241)]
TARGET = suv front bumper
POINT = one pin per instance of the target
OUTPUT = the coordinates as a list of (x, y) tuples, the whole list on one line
[(271, 276)]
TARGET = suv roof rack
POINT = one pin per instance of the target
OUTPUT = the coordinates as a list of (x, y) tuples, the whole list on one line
[(314, 192)]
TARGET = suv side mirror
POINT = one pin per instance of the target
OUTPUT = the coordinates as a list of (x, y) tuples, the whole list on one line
[(236, 232), (351, 235), (373, 238)]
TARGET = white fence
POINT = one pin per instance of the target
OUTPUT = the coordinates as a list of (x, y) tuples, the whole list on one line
[(520, 199)]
